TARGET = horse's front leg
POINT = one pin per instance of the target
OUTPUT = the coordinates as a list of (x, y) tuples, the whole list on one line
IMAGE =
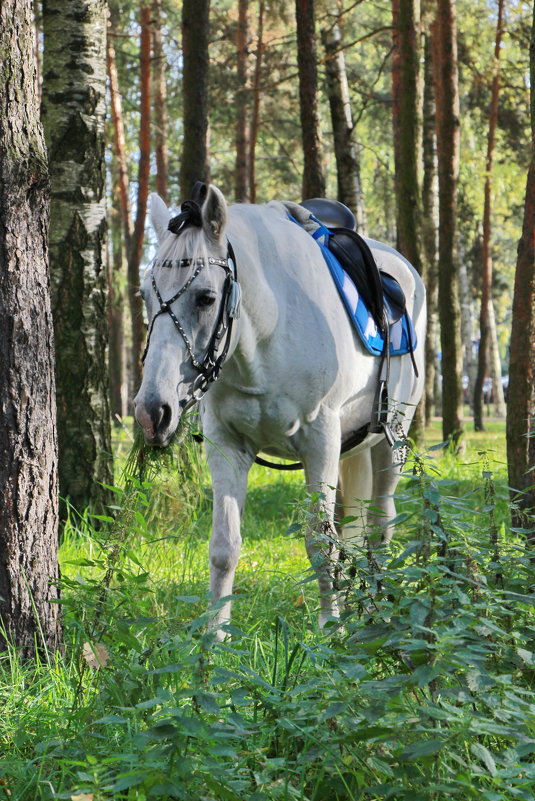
[(229, 467), (321, 469)]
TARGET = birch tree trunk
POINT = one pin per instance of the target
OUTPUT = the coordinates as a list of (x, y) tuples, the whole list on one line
[(346, 149), (73, 113), (313, 177), (495, 365), (521, 397), (448, 142), (28, 446), (195, 19), (486, 284)]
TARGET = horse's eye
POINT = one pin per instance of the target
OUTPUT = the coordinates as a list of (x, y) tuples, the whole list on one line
[(204, 301)]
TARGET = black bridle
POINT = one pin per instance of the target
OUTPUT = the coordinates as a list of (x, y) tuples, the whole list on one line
[(209, 366)]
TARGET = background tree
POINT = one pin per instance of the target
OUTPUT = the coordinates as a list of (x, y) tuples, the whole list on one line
[(313, 177), (135, 250), (407, 124), (28, 448), (487, 325), (159, 66), (448, 141), (346, 148), (195, 38), (521, 402), (242, 192), (73, 111)]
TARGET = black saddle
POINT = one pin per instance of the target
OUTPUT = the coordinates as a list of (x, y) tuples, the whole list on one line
[(381, 292)]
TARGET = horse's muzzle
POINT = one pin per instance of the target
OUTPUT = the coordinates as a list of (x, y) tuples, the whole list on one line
[(156, 420)]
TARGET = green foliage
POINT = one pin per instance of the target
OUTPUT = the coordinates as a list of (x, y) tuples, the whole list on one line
[(425, 693)]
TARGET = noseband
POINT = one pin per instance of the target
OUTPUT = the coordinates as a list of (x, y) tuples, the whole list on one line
[(209, 367)]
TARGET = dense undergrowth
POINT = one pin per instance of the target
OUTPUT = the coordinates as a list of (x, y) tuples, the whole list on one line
[(426, 692)]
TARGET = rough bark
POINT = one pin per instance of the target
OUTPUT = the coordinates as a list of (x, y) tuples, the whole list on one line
[(429, 221), (195, 19), (28, 446), (255, 112), (521, 397), (346, 149), (313, 176), (160, 103), (448, 142), (73, 113), (486, 284), (116, 273), (407, 123), (135, 251), (241, 189)]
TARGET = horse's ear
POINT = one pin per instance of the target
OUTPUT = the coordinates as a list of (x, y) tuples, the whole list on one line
[(159, 215), (214, 213)]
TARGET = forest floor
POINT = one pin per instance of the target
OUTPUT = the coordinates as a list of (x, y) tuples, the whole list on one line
[(426, 693)]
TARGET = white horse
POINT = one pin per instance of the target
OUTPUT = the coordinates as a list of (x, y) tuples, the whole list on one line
[(293, 379)]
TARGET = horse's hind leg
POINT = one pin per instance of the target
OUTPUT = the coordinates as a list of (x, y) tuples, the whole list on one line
[(321, 467), (355, 483), (386, 475)]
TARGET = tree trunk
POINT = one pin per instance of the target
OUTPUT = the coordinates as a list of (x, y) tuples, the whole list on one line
[(116, 272), (119, 140), (467, 327), (242, 193), (486, 284), (407, 121), (495, 365), (160, 103), (135, 252), (313, 177), (448, 141), (346, 149), (521, 397), (429, 220), (73, 113), (195, 31), (28, 446), (255, 113)]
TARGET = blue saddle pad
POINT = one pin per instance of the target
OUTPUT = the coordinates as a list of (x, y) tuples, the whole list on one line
[(402, 333)]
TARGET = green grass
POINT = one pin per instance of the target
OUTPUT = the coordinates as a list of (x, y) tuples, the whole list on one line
[(427, 692)]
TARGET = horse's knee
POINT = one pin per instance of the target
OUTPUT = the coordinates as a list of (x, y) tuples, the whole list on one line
[(224, 554)]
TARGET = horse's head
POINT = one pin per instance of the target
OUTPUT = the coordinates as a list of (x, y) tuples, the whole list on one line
[(187, 294)]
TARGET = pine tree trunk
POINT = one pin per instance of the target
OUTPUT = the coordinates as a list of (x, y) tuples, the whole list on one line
[(160, 103), (241, 190), (407, 123), (73, 113), (119, 141), (467, 327), (429, 220), (346, 149), (255, 113), (116, 273), (448, 142), (195, 19), (495, 365), (135, 252), (521, 396), (486, 285), (313, 177), (28, 446)]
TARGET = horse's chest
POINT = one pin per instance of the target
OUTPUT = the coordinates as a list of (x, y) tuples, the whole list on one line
[(260, 418)]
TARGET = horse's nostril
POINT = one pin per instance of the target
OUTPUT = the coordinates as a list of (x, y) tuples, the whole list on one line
[(165, 419)]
